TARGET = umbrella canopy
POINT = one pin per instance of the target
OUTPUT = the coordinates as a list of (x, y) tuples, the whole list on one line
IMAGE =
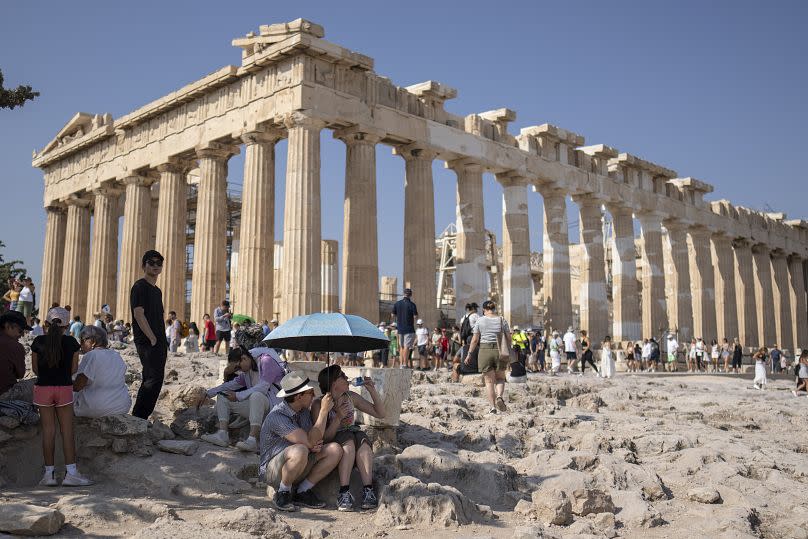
[(327, 332), (242, 319)]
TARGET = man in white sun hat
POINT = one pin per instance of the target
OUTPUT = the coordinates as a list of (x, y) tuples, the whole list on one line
[(292, 449), (421, 341)]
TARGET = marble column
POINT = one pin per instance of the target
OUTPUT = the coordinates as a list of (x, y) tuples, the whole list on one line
[(102, 288), (77, 256), (300, 272), (419, 231), (702, 284), (209, 280), (593, 301), (172, 222), (136, 230), (625, 300), (155, 195), (677, 280), (254, 291), (556, 258), (764, 296), (360, 247), (799, 309), (471, 266), (53, 257), (389, 288), (654, 306), (517, 287), (329, 302), (784, 327), (277, 275), (726, 308), (745, 294)]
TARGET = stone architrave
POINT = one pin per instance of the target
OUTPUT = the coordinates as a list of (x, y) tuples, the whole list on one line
[(764, 296), (50, 289), (360, 256), (255, 283), (101, 288), (745, 294), (654, 306), (209, 280), (471, 266), (172, 221), (517, 286), (593, 300), (556, 258), (784, 327), (330, 278), (677, 280), (301, 271), (419, 231), (77, 255), (136, 219), (799, 308), (703, 284), (625, 297), (726, 309)]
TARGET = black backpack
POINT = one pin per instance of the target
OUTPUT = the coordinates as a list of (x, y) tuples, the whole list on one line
[(465, 329)]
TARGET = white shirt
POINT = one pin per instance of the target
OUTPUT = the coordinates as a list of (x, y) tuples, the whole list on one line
[(673, 346), (700, 347), (569, 342), (106, 392), (422, 336), (646, 350), (26, 295)]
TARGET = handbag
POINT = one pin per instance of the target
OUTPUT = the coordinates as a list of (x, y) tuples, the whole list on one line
[(506, 351)]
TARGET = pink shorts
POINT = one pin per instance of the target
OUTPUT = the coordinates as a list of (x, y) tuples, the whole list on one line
[(53, 395)]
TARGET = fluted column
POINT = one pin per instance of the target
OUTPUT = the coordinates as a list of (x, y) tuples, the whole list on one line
[(301, 219), (360, 247), (209, 281), (77, 256), (726, 308), (255, 284), (784, 327), (419, 231), (702, 284), (556, 260), (593, 301), (677, 281), (389, 288), (104, 252), (172, 222), (799, 309), (745, 293), (625, 301), (136, 230), (764, 296), (471, 266), (329, 302), (654, 306), (53, 257)]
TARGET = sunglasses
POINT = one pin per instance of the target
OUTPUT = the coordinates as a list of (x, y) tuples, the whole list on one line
[(155, 263)]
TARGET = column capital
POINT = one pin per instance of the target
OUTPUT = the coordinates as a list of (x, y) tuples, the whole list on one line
[(78, 201), (301, 119), (548, 189), (464, 164), (760, 248), (741, 243), (616, 208), (107, 190), (700, 232), (588, 199), (676, 224), (175, 165), (796, 257), (778, 253), (137, 180), (510, 179), (269, 135), (359, 134), (55, 207), (645, 215), (216, 150), (415, 152)]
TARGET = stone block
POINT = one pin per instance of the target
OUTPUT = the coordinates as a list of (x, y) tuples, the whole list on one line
[(121, 425), (311, 368), (553, 507), (704, 495), (180, 447), (393, 386), (31, 520)]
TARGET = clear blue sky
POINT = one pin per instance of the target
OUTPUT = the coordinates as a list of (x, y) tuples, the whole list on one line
[(714, 90)]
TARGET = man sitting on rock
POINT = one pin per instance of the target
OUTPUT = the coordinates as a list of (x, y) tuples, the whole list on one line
[(292, 445)]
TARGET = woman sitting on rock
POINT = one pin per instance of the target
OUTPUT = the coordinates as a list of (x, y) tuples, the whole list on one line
[(246, 396), (100, 386), (340, 428)]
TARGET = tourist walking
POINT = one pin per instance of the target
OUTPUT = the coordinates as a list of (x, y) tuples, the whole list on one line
[(715, 353), (645, 354), (761, 358), (701, 349), (776, 355), (75, 327), (737, 356), (586, 354), (222, 318), (555, 353), (209, 333), (174, 332), (405, 312), (571, 350), (146, 303), (673, 348), (606, 358), (725, 354), (422, 343), (487, 330)]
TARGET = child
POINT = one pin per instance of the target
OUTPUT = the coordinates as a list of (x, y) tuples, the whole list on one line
[(54, 359), (760, 357)]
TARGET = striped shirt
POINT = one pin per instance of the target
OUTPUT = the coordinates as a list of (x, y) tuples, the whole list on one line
[(280, 421)]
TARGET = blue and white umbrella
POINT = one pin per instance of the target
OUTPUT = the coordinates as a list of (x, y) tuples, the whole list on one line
[(327, 332)]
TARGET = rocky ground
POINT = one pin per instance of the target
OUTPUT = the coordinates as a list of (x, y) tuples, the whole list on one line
[(635, 456)]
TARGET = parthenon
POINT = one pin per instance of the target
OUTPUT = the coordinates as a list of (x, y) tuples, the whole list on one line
[(708, 268)]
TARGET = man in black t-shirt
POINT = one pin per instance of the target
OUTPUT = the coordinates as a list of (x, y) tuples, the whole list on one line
[(405, 311), (146, 301)]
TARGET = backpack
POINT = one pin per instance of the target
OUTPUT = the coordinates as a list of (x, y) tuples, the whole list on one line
[(465, 329), (185, 329)]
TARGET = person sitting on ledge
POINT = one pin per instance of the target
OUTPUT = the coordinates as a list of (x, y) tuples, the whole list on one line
[(99, 388), (292, 447), (245, 395), (341, 428), (12, 359)]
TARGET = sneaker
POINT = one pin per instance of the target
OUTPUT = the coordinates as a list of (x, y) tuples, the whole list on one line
[(76, 480), (345, 501), (792, 392), (49, 479), (369, 500), (239, 422), (501, 404), (249, 445), (283, 501), (757, 386), (309, 499), (220, 438), (492, 411)]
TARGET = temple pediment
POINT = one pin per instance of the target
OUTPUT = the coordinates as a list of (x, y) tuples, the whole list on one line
[(79, 126)]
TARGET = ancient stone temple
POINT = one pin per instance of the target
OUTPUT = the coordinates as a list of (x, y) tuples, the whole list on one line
[(707, 269)]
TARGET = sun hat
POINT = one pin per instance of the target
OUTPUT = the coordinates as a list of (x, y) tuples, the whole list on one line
[(516, 327), (420, 322), (293, 383), (58, 313)]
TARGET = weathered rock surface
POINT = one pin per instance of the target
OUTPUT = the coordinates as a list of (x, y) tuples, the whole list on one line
[(552, 507), (408, 501), (32, 520), (704, 495), (180, 447), (263, 522)]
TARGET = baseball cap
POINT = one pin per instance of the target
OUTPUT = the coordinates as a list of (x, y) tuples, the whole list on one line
[(15, 317), (60, 314)]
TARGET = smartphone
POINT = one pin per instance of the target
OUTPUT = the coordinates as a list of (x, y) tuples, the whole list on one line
[(222, 393), (359, 381)]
